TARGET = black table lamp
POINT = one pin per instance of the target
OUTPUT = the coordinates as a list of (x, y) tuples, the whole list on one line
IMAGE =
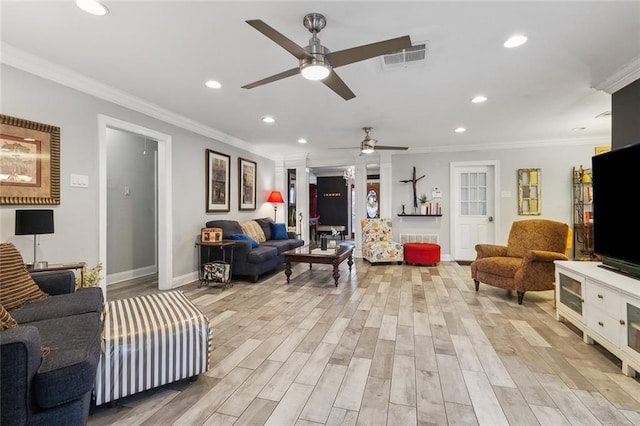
[(34, 222)]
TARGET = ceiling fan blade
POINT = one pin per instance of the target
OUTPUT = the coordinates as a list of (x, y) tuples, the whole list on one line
[(276, 77), (360, 53), (279, 39), (383, 147), (336, 84)]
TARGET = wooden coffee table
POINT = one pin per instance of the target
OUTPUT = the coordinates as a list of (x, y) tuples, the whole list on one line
[(311, 254)]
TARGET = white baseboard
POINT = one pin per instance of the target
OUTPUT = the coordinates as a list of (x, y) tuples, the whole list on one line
[(129, 275), (184, 279)]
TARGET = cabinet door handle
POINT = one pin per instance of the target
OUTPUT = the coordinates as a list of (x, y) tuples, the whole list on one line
[(622, 322), (600, 323), (600, 296)]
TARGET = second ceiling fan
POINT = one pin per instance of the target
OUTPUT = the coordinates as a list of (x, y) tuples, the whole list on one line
[(316, 62), (370, 145)]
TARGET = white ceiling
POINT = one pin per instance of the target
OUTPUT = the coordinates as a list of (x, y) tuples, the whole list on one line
[(163, 52)]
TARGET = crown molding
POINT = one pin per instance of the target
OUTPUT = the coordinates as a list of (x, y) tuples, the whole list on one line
[(35, 65), (539, 143), (621, 78)]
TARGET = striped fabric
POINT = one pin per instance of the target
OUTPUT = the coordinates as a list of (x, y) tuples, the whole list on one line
[(6, 320), (149, 341), (16, 285), (252, 229)]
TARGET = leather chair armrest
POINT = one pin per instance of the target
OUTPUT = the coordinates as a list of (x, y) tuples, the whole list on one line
[(490, 250)]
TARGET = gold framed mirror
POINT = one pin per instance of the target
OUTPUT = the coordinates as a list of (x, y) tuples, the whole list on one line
[(529, 192)]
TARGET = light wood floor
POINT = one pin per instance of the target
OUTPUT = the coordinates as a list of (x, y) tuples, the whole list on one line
[(393, 344)]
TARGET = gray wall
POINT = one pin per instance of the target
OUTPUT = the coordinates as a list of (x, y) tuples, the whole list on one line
[(76, 218), (131, 203), (555, 163)]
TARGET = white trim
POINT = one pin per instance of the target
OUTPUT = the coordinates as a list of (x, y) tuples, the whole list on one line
[(539, 143), (621, 78), (131, 274), (165, 209), (185, 279)]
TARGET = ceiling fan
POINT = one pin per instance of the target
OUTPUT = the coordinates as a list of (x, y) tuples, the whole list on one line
[(369, 145), (316, 62)]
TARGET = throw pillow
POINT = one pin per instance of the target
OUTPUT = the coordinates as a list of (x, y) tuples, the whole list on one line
[(16, 285), (279, 231), (6, 320), (265, 224), (252, 229), (244, 237)]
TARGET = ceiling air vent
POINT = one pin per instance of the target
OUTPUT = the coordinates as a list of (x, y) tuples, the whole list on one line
[(414, 55)]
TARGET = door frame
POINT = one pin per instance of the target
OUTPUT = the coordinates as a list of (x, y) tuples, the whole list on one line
[(454, 166), (165, 220)]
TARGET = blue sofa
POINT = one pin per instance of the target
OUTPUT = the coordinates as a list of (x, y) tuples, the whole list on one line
[(48, 363), (248, 261)]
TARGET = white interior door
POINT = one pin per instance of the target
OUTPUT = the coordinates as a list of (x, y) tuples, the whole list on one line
[(474, 207)]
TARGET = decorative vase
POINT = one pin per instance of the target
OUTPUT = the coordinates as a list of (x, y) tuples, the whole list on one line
[(423, 209), (332, 244), (323, 242)]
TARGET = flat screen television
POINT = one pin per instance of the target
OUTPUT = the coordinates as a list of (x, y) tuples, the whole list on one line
[(616, 230)]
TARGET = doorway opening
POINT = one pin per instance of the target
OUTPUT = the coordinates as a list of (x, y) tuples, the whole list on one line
[(163, 225)]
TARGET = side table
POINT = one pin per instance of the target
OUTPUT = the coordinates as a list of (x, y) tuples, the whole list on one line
[(60, 267), (223, 246)]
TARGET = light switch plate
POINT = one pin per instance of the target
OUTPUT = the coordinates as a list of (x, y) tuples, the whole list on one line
[(79, 181)]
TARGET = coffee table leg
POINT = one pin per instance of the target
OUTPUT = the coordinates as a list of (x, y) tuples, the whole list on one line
[(350, 262), (287, 270), (336, 272)]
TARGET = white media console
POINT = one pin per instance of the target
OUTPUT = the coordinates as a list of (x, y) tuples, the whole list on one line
[(604, 305)]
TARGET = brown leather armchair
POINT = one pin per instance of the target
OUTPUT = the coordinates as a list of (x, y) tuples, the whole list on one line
[(526, 262)]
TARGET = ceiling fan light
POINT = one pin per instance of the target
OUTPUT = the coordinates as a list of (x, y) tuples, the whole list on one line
[(365, 148), (315, 71), (93, 7)]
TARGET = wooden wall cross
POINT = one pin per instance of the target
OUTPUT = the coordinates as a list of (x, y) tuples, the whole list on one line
[(413, 180)]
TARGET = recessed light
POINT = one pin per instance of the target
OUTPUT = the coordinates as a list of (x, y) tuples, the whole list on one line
[(212, 84), (302, 140), (93, 7), (460, 130), (515, 41), (268, 119), (479, 99), (578, 129)]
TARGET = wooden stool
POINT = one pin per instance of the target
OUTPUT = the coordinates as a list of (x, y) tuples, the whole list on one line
[(421, 253)]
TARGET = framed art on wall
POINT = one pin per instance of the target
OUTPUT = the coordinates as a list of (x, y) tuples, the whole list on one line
[(247, 171), (529, 192), (29, 162), (218, 176)]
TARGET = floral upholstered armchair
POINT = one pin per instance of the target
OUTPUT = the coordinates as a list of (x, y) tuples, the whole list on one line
[(526, 262), (377, 242)]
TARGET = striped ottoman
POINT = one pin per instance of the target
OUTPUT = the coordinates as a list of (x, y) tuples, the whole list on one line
[(149, 341), (421, 253)]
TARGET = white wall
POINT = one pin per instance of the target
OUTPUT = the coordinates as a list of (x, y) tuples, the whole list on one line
[(76, 218), (555, 163)]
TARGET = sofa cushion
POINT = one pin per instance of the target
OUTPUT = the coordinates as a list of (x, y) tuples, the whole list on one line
[(280, 245), (252, 229), (229, 227), (84, 300), (279, 231), (68, 370), (6, 320), (243, 237), (265, 224), (16, 285), (262, 253)]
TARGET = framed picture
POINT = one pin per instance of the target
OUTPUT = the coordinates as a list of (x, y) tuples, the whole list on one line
[(29, 162), (211, 235), (247, 171), (218, 176), (529, 192)]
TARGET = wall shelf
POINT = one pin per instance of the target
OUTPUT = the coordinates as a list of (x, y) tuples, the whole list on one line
[(419, 215)]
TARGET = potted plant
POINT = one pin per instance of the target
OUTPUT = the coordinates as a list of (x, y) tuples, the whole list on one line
[(423, 204), (90, 278)]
